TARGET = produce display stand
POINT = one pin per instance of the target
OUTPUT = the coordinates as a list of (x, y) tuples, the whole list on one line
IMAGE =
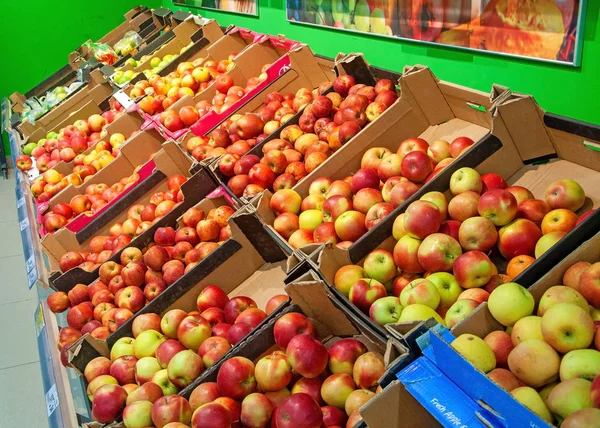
[(511, 135)]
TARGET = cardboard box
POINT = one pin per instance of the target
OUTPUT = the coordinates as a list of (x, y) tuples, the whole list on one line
[(427, 108), (248, 264), (196, 188), (518, 122)]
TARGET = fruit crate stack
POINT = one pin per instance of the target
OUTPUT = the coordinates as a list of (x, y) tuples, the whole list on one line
[(292, 252)]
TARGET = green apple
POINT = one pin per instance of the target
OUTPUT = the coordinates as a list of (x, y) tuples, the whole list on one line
[(530, 398), (379, 265), (161, 378), (28, 148), (418, 312), (459, 311), (386, 310), (41, 142), (131, 62), (569, 396), (123, 346), (154, 62), (534, 362), (566, 326), (545, 391), (561, 294), (510, 302), (52, 135), (476, 351), (184, 367), (580, 363), (138, 415), (447, 286), (527, 328), (145, 368), (147, 342)]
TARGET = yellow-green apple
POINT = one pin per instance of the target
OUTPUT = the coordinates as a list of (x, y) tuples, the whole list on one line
[(390, 166), (320, 186), (373, 157), (570, 396), (167, 350), (298, 410), (161, 378), (510, 302), (273, 372), (147, 342), (546, 242), (96, 367), (286, 201), (580, 363), (334, 206), (473, 269), (418, 312), (438, 252), (589, 285), (332, 416), (398, 230), (464, 180), (357, 399), (459, 311), (588, 417), (566, 326), (560, 294), (447, 286), (520, 193), (479, 295), (565, 193), (530, 398), (546, 390), (573, 274), (501, 344), (365, 199), (477, 233), (476, 351), (234, 307), (169, 409), (401, 192), (498, 205), (307, 356), (439, 200), (123, 369), (123, 346), (366, 291), (310, 219), (346, 276), (192, 331), (256, 411), (184, 367), (235, 378), (385, 310), (406, 254), (422, 218), (439, 150), (533, 209), (504, 378), (416, 166), (147, 392), (170, 322), (343, 354), (108, 403), (379, 265), (138, 414), (336, 389), (518, 238), (463, 206), (368, 369), (145, 369), (350, 226), (529, 327), (420, 291), (534, 362)]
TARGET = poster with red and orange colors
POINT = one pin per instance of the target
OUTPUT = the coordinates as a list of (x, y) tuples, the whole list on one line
[(244, 7), (550, 30)]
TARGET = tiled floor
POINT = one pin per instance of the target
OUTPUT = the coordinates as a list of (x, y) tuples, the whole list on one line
[(22, 401)]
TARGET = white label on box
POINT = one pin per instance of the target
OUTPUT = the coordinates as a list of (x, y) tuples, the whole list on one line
[(30, 263), (24, 224), (123, 99), (51, 400), (20, 202)]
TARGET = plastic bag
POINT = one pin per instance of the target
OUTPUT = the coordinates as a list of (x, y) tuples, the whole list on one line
[(130, 41), (102, 52), (32, 110)]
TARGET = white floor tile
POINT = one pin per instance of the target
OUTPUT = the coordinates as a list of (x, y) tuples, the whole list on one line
[(8, 207), (13, 281), (10, 241), (7, 186), (22, 402), (18, 334)]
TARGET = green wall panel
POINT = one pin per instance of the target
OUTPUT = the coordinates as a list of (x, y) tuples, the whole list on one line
[(37, 35), (570, 91)]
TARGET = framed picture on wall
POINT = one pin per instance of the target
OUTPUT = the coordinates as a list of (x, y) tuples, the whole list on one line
[(246, 7), (546, 30)]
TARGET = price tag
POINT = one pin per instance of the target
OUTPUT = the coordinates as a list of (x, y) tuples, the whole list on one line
[(30, 263), (32, 277), (51, 400), (20, 202), (24, 224), (123, 99), (39, 320)]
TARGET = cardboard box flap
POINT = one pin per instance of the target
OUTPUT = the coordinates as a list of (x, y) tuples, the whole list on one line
[(355, 65), (576, 148), (310, 294), (420, 87), (468, 104)]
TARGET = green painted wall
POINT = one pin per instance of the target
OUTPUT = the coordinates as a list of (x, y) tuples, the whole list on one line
[(37, 35), (563, 90)]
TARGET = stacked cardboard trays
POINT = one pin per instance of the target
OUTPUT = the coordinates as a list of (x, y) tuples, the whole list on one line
[(168, 161)]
